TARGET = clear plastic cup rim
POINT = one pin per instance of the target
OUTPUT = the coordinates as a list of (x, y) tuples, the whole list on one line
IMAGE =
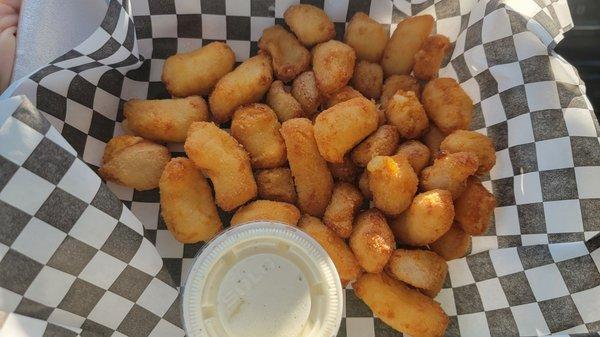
[(249, 274)]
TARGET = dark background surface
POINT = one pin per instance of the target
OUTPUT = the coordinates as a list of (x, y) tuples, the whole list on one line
[(581, 46)]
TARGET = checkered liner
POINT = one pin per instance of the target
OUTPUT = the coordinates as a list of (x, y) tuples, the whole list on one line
[(534, 272), (70, 253)]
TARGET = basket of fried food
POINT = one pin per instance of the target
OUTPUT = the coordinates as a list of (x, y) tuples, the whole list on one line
[(357, 142)]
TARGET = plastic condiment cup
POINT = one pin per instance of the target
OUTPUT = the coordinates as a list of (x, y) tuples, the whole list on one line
[(262, 279)]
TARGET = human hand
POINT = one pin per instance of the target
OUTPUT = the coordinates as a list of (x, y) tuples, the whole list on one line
[(9, 17)]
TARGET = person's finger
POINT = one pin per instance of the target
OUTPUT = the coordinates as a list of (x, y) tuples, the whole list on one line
[(6, 9), (8, 44), (16, 4), (7, 21)]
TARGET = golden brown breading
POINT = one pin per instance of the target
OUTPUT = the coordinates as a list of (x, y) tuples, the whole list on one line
[(393, 183), (266, 210), (164, 120), (310, 24), (416, 153), (474, 208), (382, 142), (449, 172), (196, 72), (225, 162), (429, 216), (402, 308), (290, 58), (398, 82), (368, 79), (342, 95), (452, 245), (256, 127), (134, 162), (314, 183), (245, 84), (433, 139), (422, 269), (283, 103), (372, 240), (471, 141), (305, 91), (429, 59), (276, 184), (339, 128), (363, 185), (344, 260), (333, 65), (407, 39), (187, 203), (447, 104), (345, 171), (405, 112), (367, 36), (345, 202)]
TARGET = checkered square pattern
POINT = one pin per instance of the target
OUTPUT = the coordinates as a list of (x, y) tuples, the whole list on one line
[(73, 261), (534, 272)]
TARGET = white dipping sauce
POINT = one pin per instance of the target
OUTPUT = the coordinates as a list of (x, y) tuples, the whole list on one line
[(269, 285), (262, 279)]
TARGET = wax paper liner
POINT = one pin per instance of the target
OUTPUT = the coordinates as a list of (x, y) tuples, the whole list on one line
[(534, 272)]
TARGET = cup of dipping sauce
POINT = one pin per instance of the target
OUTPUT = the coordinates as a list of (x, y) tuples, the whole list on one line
[(262, 279)]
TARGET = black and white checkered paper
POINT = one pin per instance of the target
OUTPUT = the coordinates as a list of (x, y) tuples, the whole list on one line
[(535, 272)]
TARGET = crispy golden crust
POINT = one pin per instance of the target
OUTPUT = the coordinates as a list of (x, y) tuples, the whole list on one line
[(420, 268), (402, 308), (342, 95), (345, 171), (117, 144), (407, 39), (471, 141), (382, 142), (314, 183), (433, 139), (368, 79), (283, 103), (245, 84), (474, 208), (345, 262), (452, 245), (138, 165), (367, 36), (405, 112), (333, 65), (398, 82), (416, 153), (447, 105), (165, 120), (363, 185), (339, 128), (256, 127), (276, 184), (305, 91), (187, 203), (310, 24), (372, 240), (392, 182), (426, 220), (267, 210), (225, 162), (290, 58), (197, 72), (449, 172), (429, 59), (345, 202)]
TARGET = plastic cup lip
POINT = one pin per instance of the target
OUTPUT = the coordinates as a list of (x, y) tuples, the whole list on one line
[(261, 225)]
